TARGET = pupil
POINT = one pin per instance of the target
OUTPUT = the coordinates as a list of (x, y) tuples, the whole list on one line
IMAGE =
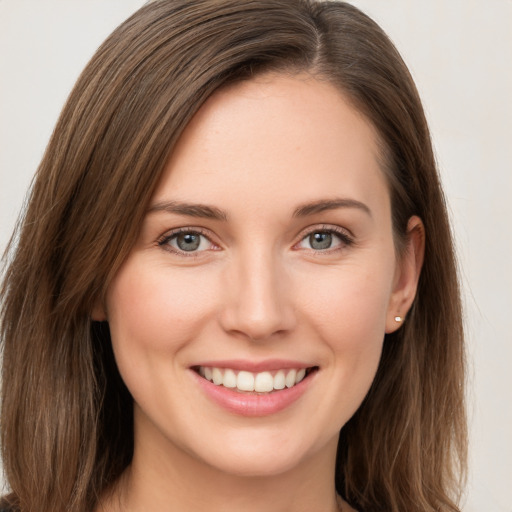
[(320, 240), (188, 241)]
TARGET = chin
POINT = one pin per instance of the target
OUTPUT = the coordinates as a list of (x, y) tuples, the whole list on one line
[(266, 453), (258, 465)]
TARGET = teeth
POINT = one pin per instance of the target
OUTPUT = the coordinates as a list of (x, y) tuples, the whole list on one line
[(217, 376), (290, 378), (245, 381), (263, 382), (229, 379), (279, 380)]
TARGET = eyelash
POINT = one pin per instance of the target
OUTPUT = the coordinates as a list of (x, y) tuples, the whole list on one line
[(346, 239), (165, 240)]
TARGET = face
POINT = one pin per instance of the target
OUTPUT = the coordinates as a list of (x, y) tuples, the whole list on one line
[(248, 320)]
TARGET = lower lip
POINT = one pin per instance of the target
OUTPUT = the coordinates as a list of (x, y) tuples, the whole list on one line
[(247, 404)]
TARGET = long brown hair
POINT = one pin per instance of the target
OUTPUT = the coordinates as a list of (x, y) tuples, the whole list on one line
[(66, 419)]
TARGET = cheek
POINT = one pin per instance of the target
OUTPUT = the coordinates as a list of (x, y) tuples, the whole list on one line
[(151, 308), (154, 313), (348, 313), (354, 300)]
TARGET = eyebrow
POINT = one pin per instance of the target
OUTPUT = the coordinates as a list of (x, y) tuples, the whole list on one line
[(329, 204), (190, 209), (211, 212)]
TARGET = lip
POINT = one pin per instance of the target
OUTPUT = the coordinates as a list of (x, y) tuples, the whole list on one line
[(254, 404)]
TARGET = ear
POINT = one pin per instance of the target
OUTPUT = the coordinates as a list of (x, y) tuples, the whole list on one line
[(407, 274)]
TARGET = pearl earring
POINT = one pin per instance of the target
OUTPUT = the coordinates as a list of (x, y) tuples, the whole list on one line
[(398, 319)]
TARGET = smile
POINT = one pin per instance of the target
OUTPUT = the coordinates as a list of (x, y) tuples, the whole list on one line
[(254, 389), (261, 382)]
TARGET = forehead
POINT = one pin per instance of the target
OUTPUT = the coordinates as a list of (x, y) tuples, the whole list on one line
[(296, 137)]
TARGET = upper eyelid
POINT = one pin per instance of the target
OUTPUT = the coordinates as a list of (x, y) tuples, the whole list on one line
[(176, 231), (325, 227)]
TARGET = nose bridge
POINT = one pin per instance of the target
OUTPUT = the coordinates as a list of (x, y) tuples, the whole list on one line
[(259, 304)]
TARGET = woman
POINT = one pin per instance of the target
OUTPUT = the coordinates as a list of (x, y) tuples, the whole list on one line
[(234, 286)]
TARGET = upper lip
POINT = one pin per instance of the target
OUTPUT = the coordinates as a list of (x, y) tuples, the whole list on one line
[(255, 366)]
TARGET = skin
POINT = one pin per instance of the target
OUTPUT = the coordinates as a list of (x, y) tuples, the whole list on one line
[(257, 289)]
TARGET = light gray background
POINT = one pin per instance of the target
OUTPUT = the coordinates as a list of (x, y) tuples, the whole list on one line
[(460, 54)]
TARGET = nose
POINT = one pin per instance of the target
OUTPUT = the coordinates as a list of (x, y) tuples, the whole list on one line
[(258, 301)]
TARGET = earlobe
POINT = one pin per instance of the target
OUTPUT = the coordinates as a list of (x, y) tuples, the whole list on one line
[(407, 275)]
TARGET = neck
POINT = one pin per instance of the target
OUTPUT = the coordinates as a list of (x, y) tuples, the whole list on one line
[(164, 478)]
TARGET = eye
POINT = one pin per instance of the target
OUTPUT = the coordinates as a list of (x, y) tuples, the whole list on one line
[(324, 239), (186, 241)]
